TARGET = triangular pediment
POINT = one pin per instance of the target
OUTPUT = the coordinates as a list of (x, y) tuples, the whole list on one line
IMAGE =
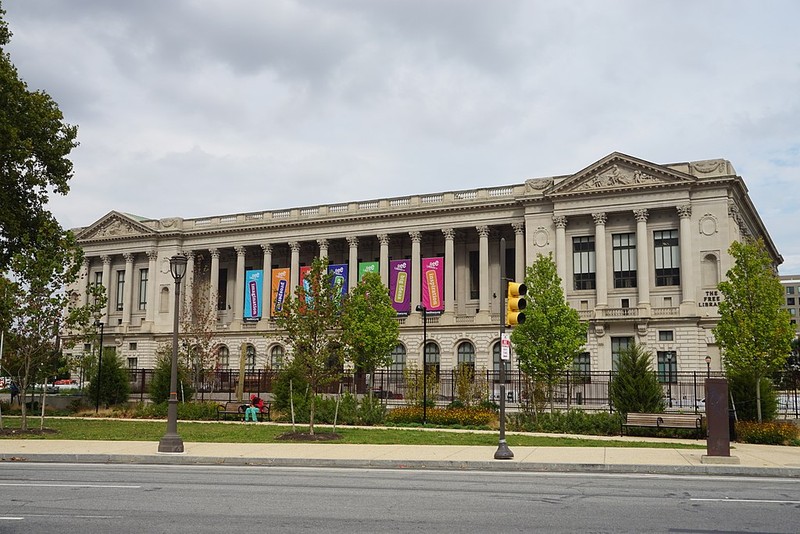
[(115, 225), (619, 172)]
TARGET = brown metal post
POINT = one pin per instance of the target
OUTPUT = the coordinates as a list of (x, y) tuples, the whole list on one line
[(718, 443)]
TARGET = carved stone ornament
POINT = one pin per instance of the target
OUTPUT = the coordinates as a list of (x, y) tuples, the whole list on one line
[(540, 237), (616, 176), (707, 167), (538, 184), (115, 228), (599, 330), (708, 224), (168, 223)]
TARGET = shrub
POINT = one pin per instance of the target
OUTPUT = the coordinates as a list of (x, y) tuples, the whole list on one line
[(114, 386), (291, 376), (743, 388), (474, 417), (371, 411), (569, 422), (189, 411), (770, 433), (635, 388), (162, 374)]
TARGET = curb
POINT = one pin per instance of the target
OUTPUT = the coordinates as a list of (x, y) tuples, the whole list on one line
[(478, 465)]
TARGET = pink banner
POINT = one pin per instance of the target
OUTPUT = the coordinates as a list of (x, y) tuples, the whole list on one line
[(433, 284)]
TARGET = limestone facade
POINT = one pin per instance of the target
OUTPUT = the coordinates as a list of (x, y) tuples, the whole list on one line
[(639, 246)]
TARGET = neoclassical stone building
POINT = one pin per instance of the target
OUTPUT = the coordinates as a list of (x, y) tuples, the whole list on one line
[(640, 248)]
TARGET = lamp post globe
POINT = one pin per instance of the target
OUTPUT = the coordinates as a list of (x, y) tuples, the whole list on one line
[(708, 366), (171, 441)]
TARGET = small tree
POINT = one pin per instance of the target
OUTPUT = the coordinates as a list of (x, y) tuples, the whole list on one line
[(369, 325), (552, 335), (753, 331), (416, 382), (114, 383), (636, 388), (198, 318), (159, 386), (311, 322)]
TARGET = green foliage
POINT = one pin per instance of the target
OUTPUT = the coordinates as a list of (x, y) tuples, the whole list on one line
[(189, 411), (467, 417), (369, 324), (113, 383), (34, 145), (568, 422), (770, 433), (742, 386), (753, 331), (291, 383), (416, 384), (552, 335), (159, 386), (635, 388), (371, 411)]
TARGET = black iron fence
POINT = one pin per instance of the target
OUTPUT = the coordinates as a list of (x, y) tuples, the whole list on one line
[(685, 391)]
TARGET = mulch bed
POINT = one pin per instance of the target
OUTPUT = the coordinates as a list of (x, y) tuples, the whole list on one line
[(11, 432), (305, 436)]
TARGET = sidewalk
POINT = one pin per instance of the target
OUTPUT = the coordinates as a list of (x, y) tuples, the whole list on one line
[(753, 460)]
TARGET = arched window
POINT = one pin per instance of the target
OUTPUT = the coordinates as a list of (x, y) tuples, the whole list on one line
[(250, 357), (223, 358), (466, 356), (432, 357), (398, 359), (276, 357)]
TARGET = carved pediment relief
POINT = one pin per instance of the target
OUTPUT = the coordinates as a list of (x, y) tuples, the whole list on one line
[(112, 226), (618, 171)]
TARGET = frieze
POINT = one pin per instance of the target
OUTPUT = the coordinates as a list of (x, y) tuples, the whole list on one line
[(115, 228), (617, 176)]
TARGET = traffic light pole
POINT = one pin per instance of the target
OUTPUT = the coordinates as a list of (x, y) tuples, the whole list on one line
[(503, 452)]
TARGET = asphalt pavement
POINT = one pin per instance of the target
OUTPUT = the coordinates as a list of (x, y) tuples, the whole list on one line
[(745, 459)]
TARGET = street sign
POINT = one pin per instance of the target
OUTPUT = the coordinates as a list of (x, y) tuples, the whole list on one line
[(505, 347)]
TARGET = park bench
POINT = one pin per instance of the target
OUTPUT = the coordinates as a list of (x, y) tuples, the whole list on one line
[(664, 420), (237, 409)]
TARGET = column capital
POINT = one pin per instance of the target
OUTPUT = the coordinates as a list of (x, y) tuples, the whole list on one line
[(641, 215), (383, 239), (560, 221), (214, 252), (152, 254), (241, 250), (106, 259), (189, 254), (599, 218), (483, 231), (684, 211), (86, 262), (295, 246), (267, 248), (449, 233), (416, 237), (323, 243), (128, 256), (352, 241), (519, 228)]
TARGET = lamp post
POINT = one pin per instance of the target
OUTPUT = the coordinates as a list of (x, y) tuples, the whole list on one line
[(503, 452), (708, 366), (424, 310), (171, 441), (98, 324), (669, 376)]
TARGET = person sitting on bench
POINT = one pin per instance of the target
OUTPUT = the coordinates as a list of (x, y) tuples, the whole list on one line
[(253, 409)]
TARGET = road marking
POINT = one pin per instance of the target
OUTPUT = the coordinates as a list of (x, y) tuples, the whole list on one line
[(761, 501), (42, 485), (11, 518)]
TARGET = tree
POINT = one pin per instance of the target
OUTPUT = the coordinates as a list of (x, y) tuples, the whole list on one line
[(159, 386), (635, 388), (198, 319), (753, 331), (34, 145), (369, 325), (552, 335), (311, 322), (114, 381), (41, 307)]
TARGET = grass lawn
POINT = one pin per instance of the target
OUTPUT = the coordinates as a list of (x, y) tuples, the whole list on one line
[(214, 432)]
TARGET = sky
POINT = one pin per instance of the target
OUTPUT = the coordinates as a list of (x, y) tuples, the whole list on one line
[(191, 108)]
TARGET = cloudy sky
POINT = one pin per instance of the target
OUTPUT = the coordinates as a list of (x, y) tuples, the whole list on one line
[(199, 107)]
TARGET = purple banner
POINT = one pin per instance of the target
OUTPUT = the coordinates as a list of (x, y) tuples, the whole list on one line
[(400, 285), (433, 284)]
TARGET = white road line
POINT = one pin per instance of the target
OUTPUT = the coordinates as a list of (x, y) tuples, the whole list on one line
[(43, 485), (11, 518), (763, 501)]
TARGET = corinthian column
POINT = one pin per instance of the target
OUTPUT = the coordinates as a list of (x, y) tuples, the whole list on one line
[(416, 267), (600, 259), (352, 275), (294, 273), (560, 221), (238, 297), (384, 258), (127, 289), (266, 282), (642, 265), (449, 271), (483, 253), (687, 275)]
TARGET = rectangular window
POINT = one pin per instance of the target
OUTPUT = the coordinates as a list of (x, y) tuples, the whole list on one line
[(583, 262), (618, 344), (792, 311), (120, 289), (133, 363), (624, 252), (582, 365), (98, 278), (667, 366), (790, 301), (790, 290), (667, 258), (665, 335), (222, 288), (474, 274), (132, 346), (143, 275), (87, 347)]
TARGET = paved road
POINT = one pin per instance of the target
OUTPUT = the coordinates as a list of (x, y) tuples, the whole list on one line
[(147, 498)]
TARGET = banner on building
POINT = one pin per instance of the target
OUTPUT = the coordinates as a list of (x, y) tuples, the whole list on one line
[(252, 295), (433, 284), (400, 285), (280, 287), (368, 267), (340, 273)]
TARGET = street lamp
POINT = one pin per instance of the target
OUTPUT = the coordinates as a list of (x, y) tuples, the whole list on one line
[(669, 376), (98, 324), (171, 441), (424, 310), (708, 366)]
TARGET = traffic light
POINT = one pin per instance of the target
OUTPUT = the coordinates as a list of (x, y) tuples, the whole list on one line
[(515, 303)]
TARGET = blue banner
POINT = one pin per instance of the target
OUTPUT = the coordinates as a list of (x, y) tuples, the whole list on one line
[(252, 295), (339, 273)]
